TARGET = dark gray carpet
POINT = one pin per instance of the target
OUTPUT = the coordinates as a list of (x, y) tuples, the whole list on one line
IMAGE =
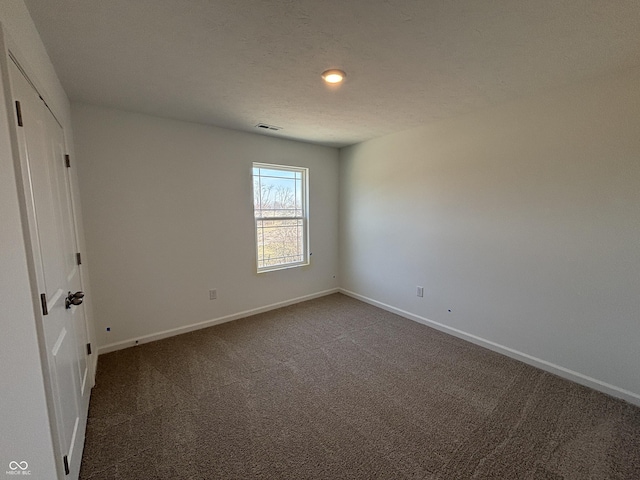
[(335, 388)]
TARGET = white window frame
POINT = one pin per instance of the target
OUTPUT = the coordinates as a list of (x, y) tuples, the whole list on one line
[(305, 216)]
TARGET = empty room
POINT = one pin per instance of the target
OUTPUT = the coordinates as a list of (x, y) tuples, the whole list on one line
[(276, 239)]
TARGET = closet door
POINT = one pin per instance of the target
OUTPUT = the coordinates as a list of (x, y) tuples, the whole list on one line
[(52, 232)]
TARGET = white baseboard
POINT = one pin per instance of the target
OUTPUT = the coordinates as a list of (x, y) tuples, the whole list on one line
[(112, 347), (563, 372)]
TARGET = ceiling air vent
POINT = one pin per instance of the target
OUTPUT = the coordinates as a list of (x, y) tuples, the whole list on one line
[(264, 126)]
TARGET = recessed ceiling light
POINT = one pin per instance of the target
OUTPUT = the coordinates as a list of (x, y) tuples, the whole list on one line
[(333, 76)]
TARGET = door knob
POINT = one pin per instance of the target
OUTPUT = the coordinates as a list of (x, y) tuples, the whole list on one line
[(73, 299)]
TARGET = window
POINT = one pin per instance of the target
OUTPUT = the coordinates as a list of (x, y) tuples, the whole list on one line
[(281, 216)]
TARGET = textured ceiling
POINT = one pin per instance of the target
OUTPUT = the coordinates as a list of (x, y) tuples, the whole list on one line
[(235, 63)]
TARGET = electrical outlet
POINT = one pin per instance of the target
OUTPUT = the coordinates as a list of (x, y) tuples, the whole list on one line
[(420, 291), (213, 294)]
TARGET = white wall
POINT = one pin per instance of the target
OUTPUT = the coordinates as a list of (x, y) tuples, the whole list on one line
[(169, 215), (524, 220), (24, 420)]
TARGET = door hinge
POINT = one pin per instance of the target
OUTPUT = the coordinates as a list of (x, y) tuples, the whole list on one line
[(66, 465), (79, 258), (67, 161), (43, 302), (88, 349), (19, 113)]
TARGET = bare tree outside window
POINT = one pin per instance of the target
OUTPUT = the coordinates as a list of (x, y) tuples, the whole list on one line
[(279, 203)]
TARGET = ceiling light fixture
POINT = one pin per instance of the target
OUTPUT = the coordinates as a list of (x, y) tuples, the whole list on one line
[(333, 76)]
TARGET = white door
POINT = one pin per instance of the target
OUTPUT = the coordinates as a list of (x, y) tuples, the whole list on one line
[(52, 231)]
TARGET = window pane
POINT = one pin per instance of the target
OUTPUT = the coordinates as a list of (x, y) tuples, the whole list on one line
[(280, 242), (277, 196)]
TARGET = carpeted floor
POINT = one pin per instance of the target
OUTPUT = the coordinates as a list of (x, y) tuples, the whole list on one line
[(334, 388)]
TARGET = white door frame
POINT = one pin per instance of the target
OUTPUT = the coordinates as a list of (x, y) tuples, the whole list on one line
[(10, 52)]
